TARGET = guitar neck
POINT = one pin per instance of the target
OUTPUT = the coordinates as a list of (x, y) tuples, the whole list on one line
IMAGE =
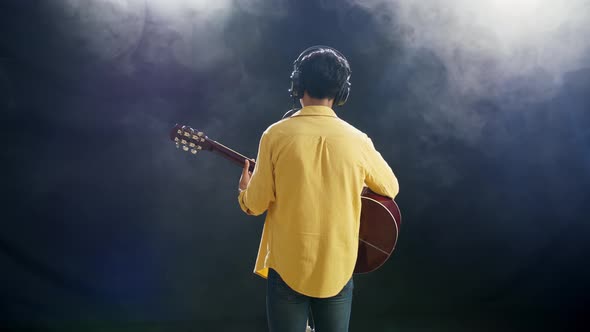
[(230, 154)]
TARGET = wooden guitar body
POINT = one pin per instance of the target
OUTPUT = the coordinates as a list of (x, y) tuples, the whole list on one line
[(379, 229)]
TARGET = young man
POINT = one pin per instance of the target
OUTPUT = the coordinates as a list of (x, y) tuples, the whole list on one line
[(310, 171)]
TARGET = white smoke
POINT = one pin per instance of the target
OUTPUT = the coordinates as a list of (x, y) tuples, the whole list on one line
[(189, 32), (482, 49), (105, 29), (486, 42), (198, 31), (516, 52)]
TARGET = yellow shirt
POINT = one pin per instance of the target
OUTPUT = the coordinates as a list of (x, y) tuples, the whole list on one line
[(309, 174)]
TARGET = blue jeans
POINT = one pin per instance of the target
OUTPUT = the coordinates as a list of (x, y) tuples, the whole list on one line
[(288, 311)]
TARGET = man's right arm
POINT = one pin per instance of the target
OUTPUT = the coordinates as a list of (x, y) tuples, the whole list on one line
[(379, 176)]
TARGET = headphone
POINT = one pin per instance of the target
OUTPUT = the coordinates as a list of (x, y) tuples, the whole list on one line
[(296, 90)]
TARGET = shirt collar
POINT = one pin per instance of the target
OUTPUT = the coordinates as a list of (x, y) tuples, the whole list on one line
[(316, 110)]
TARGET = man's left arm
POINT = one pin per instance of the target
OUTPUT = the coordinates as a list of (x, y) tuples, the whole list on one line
[(257, 190)]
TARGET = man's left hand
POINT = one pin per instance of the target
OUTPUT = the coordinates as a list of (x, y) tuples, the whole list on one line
[(245, 178)]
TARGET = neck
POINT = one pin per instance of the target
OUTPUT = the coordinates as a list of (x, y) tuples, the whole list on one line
[(310, 101)]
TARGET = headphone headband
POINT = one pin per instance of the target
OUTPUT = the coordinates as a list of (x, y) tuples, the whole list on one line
[(312, 49)]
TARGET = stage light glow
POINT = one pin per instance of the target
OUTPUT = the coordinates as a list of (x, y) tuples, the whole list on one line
[(518, 51), (512, 36), (518, 21), (164, 7)]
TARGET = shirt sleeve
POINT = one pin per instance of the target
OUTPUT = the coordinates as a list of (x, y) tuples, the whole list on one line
[(379, 176), (260, 193)]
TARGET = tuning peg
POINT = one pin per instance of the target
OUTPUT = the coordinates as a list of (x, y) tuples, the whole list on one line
[(194, 151), (185, 148), (177, 145)]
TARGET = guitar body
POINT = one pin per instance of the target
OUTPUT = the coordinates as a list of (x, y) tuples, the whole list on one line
[(380, 216), (379, 227)]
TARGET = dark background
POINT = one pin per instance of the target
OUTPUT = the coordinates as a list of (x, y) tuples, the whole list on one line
[(107, 227)]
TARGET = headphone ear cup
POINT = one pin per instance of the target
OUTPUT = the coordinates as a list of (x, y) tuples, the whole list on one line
[(343, 94), (295, 89)]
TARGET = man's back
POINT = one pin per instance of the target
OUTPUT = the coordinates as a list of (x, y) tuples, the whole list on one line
[(310, 172)]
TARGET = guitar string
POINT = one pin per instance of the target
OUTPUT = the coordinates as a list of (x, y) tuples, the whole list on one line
[(369, 244)]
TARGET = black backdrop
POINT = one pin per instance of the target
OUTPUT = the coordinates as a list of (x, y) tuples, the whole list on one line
[(105, 226)]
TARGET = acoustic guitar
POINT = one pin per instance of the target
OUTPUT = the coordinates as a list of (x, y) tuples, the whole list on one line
[(380, 215)]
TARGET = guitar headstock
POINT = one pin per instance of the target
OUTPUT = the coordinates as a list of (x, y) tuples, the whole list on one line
[(189, 139)]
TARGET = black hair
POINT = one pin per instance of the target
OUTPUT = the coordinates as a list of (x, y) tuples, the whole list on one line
[(323, 73)]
